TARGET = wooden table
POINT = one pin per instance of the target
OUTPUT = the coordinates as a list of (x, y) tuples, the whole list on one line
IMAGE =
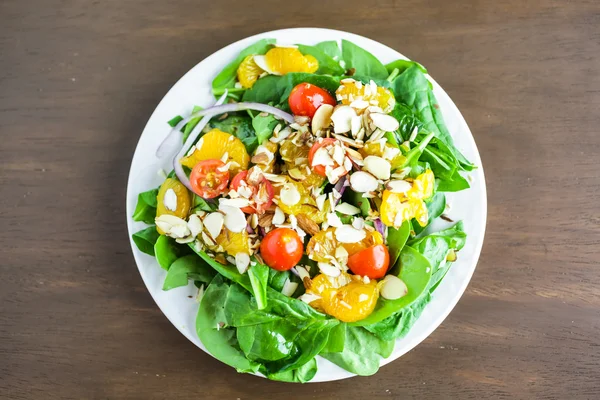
[(78, 81)]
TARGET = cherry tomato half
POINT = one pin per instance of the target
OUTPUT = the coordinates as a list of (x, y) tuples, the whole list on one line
[(372, 262), (262, 193), (305, 98), (320, 169), (207, 180), (281, 249)]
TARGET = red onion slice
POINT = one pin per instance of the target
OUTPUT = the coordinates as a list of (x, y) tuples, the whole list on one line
[(379, 226), (211, 112), (173, 139), (340, 187)]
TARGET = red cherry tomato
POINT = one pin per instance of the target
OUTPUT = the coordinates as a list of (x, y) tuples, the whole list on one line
[(306, 98), (281, 249), (320, 169), (207, 180), (262, 193), (372, 262)]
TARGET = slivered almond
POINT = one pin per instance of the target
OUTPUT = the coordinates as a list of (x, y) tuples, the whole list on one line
[(392, 288), (398, 186), (363, 182), (307, 224), (378, 166), (349, 234), (322, 118), (342, 119)]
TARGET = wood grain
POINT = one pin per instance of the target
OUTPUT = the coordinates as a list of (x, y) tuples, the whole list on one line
[(78, 81)]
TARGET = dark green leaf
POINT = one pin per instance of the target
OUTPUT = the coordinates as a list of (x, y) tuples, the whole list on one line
[(362, 351), (327, 65), (175, 120), (228, 271), (396, 239), (198, 203), (239, 126), (337, 339), (187, 267), (356, 199), (259, 279), (435, 207), (403, 65), (145, 239), (301, 375), (263, 127), (331, 48), (166, 251), (363, 62), (145, 209)]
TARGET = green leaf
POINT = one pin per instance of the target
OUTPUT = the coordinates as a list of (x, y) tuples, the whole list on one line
[(331, 48), (189, 127), (456, 183), (228, 271), (198, 203), (166, 251), (362, 351), (337, 340), (396, 239), (263, 127), (227, 77), (415, 272), (187, 267), (301, 375), (175, 120), (145, 239), (276, 89), (363, 62), (145, 209), (211, 326), (356, 199), (259, 279), (327, 65), (403, 65), (239, 126)]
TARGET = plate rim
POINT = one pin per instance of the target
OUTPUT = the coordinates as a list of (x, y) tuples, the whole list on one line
[(327, 35)]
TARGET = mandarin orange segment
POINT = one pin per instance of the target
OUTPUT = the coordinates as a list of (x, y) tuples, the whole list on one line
[(283, 60), (372, 239), (354, 90), (248, 72), (322, 245), (213, 145), (233, 242), (422, 186), (183, 200), (352, 302), (376, 149), (297, 157)]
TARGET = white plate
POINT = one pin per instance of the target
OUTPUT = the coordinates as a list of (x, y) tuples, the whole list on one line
[(194, 89)]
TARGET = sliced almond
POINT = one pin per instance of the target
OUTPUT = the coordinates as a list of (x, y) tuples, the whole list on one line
[(173, 226), (320, 200), (262, 64), (289, 288), (334, 174), (385, 122), (390, 152), (322, 157), (392, 288), (363, 182), (195, 225), (359, 104), (170, 200), (239, 202), (213, 223), (234, 219), (322, 118), (278, 217), (338, 154), (341, 254), (242, 261), (289, 195), (329, 269), (334, 220), (342, 119), (347, 209), (275, 178), (378, 166), (398, 186), (358, 223), (349, 234), (309, 298)]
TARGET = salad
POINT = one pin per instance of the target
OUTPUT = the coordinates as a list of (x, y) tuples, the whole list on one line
[(300, 206)]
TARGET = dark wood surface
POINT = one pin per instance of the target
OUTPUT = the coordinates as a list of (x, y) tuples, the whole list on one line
[(78, 81)]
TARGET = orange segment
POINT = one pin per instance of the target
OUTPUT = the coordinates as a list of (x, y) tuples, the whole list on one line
[(233, 242), (297, 157), (352, 302), (213, 145), (422, 186), (183, 200), (395, 209), (282, 60), (248, 72), (350, 91), (323, 245)]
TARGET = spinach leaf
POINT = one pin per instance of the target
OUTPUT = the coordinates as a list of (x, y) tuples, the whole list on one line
[(187, 267), (363, 62), (189, 127), (166, 251), (415, 271), (456, 183), (263, 127), (413, 89), (276, 89), (239, 126), (228, 271), (198, 203), (277, 279), (174, 121), (357, 200), (435, 207), (396, 239), (212, 329), (259, 279), (227, 77), (145, 209), (331, 48), (442, 167), (327, 65), (301, 375), (398, 325), (362, 351), (145, 239), (407, 119), (337, 339), (403, 65)]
